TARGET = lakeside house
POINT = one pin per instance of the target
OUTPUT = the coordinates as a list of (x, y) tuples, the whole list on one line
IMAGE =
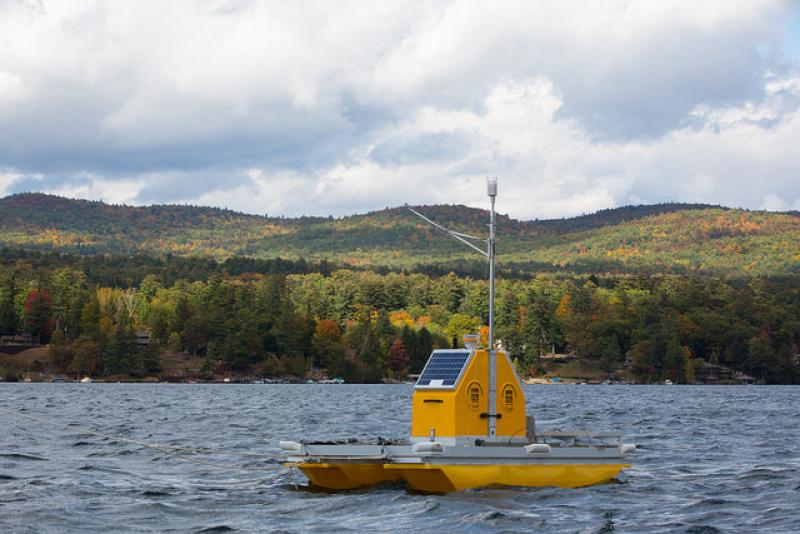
[(557, 356), (19, 340), (719, 374), (742, 378), (14, 344)]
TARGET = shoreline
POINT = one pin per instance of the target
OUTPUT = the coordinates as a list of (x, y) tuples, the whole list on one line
[(538, 382)]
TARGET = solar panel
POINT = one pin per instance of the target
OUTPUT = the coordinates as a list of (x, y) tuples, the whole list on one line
[(443, 369)]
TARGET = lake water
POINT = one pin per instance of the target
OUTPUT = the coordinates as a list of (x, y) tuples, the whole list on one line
[(710, 459)]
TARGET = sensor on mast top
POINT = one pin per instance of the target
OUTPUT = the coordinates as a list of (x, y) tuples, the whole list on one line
[(491, 186)]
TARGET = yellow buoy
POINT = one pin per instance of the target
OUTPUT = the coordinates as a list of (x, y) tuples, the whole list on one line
[(468, 427)]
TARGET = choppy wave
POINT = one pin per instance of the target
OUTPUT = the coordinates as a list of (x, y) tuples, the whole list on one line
[(710, 459)]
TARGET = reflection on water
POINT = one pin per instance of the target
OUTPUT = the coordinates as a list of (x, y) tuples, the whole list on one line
[(710, 458)]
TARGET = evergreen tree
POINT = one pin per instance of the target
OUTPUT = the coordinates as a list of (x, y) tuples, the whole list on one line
[(9, 320), (123, 356), (60, 351), (182, 314), (762, 356), (611, 353), (675, 358), (241, 347), (150, 359), (87, 357), (422, 350), (90, 317)]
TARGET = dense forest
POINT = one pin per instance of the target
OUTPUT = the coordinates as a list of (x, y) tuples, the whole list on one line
[(642, 292), (365, 326), (666, 238)]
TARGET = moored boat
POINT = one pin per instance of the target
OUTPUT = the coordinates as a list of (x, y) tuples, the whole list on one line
[(469, 428)]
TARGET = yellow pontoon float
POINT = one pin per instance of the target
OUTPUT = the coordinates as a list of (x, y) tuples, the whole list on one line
[(468, 428)]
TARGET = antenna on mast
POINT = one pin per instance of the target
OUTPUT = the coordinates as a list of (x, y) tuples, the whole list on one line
[(491, 189)]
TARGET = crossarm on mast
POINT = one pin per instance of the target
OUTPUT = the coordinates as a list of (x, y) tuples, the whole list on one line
[(456, 235)]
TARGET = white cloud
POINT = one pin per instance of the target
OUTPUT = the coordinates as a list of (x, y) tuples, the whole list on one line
[(121, 191), (773, 202), (319, 108), (7, 179), (11, 88)]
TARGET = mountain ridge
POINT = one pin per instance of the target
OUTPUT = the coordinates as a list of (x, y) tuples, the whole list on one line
[(670, 237), (49, 201)]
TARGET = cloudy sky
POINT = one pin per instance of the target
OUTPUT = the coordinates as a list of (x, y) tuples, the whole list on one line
[(341, 107)]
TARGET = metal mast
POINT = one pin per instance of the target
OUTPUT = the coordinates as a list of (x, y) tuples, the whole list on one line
[(491, 187)]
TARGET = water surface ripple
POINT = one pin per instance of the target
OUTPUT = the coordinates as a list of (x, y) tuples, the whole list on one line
[(711, 459)]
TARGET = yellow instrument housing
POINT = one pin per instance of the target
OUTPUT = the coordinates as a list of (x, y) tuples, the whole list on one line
[(462, 411)]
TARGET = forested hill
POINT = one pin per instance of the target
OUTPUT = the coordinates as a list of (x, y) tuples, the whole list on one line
[(676, 238)]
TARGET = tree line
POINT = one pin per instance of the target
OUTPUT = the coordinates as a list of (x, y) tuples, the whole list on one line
[(365, 326)]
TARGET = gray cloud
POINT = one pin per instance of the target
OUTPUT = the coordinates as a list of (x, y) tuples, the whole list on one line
[(183, 187), (576, 106), (653, 90), (27, 184), (425, 147)]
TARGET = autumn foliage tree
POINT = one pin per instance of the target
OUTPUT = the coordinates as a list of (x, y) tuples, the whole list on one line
[(397, 360), (346, 322)]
